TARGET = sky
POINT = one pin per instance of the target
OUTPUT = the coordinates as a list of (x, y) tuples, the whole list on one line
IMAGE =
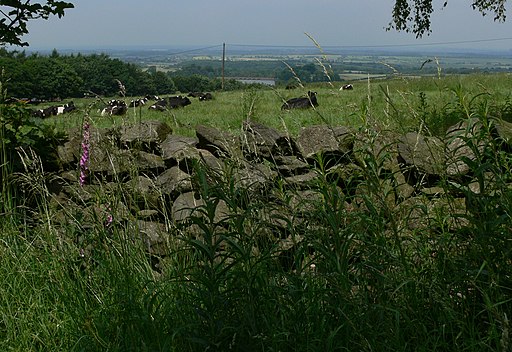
[(345, 23)]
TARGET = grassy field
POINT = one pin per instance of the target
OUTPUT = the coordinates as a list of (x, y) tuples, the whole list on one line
[(371, 285), (392, 103)]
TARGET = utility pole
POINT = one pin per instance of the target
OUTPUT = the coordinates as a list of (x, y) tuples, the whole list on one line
[(223, 60)]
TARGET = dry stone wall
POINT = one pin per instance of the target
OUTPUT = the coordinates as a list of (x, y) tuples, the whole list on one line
[(151, 173)]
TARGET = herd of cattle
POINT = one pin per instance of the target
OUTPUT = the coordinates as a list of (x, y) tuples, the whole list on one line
[(54, 110), (117, 107)]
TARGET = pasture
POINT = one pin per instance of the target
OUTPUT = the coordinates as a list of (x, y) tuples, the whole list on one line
[(402, 104), (348, 263)]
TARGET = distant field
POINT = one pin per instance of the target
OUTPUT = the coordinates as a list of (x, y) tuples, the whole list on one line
[(266, 65), (349, 76), (393, 103)]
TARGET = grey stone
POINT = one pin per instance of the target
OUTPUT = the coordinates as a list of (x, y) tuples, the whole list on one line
[(260, 141), (457, 147), (322, 139), (424, 154), (173, 182), (145, 134), (219, 143)]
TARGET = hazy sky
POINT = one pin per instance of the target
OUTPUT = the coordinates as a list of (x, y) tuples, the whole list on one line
[(110, 23)]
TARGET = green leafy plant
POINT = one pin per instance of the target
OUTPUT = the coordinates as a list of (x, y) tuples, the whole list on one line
[(20, 130)]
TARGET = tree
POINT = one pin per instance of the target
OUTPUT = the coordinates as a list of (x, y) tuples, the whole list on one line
[(414, 15), (14, 15), (192, 83), (163, 83)]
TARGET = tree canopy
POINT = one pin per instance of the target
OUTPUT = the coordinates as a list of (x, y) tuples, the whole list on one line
[(14, 15), (69, 76), (414, 15)]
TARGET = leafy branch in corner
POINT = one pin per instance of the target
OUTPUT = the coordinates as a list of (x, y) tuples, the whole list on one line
[(413, 16), (15, 14)]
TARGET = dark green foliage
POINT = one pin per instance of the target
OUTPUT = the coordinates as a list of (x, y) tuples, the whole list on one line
[(20, 133), (200, 83), (21, 130), (304, 69), (59, 76), (305, 72), (194, 83), (234, 68), (207, 70), (163, 84)]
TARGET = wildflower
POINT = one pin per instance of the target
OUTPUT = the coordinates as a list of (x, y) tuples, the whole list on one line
[(84, 160), (109, 218)]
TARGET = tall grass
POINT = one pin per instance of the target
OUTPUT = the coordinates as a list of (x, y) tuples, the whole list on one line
[(333, 268), (6, 192)]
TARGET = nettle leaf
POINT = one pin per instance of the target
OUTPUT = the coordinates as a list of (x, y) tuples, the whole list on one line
[(9, 127), (25, 131)]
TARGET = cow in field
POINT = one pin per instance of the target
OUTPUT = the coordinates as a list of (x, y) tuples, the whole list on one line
[(45, 112), (301, 103), (201, 95), (54, 110), (63, 109), (151, 97), (138, 102), (159, 105), (347, 87), (114, 107), (178, 101), (170, 103), (35, 101), (206, 96)]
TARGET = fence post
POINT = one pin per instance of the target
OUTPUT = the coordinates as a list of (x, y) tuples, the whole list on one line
[(223, 60)]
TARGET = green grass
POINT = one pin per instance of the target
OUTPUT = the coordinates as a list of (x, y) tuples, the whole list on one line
[(393, 103), (357, 279)]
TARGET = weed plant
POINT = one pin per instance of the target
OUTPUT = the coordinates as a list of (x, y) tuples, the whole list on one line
[(336, 270)]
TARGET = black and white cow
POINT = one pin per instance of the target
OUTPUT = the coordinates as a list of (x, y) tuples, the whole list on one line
[(54, 110), (152, 97), (159, 105), (347, 87), (114, 107), (202, 96), (170, 103), (64, 109), (206, 96), (178, 101), (45, 112), (301, 103), (138, 102)]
